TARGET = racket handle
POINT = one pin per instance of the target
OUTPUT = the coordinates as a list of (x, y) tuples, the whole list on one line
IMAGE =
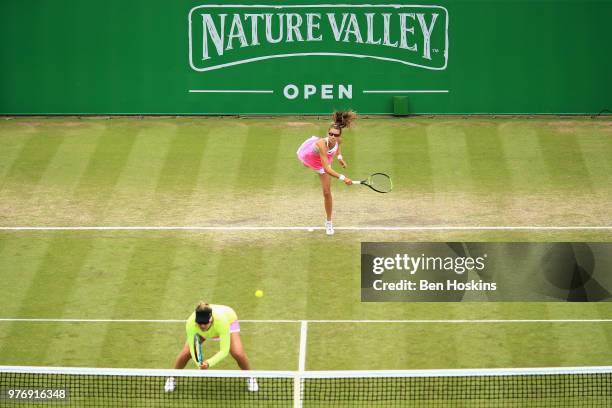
[(356, 181)]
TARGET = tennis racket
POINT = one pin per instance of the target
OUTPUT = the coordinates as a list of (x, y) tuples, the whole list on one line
[(197, 349), (379, 182)]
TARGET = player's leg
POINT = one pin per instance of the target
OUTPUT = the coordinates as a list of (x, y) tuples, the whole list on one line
[(238, 353), (181, 361), (182, 358), (327, 197)]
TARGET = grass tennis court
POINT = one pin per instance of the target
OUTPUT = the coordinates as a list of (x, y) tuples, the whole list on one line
[(228, 172)]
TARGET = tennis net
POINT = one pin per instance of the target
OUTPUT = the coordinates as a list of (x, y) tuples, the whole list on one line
[(93, 387)]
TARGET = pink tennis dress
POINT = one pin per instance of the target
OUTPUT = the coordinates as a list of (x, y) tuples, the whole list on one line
[(309, 155)]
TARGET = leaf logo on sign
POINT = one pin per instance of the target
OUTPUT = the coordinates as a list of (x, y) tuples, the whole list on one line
[(221, 36)]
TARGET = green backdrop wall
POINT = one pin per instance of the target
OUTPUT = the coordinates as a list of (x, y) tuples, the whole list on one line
[(133, 57)]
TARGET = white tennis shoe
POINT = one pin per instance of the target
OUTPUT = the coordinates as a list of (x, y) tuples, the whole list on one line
[(252, 384), (329, 228), (170, 384)]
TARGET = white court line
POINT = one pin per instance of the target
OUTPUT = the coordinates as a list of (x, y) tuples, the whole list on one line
[(298, 387), (303, 322), (303, 337), (348, 228), (247, 91), (406, 91)]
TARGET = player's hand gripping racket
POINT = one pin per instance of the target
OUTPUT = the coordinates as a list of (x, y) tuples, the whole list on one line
[(379, 182)]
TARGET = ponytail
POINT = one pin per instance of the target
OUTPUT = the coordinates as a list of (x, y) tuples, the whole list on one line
[(343, 119)]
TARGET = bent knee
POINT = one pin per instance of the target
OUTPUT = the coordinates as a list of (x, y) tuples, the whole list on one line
[(238, 354)]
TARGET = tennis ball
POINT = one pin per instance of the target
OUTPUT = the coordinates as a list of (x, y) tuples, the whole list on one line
[(259, 293)]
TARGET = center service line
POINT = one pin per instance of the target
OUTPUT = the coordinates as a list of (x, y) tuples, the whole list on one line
[(303, 323), (303, 337), (298, 389)]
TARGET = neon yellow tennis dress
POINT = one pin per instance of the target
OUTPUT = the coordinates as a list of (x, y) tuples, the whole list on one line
[(222, 319)]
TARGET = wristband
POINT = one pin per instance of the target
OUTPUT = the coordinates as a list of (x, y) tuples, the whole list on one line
[(339, 157), (342, 177)]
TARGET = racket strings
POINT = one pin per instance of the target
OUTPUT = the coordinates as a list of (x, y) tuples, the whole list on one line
[(197, 348), (381, 182)]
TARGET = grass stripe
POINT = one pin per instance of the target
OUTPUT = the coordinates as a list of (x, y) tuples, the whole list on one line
[(96, 286), (71, 159), (605, 312), (136, 183), (563, 157), (193, 271), (53, 196), (31, 163), (524, 156), (259, 159), (595, 148), (183, 160), (328, 271), (213, 200), (457, 351), (49, 290), (13, 138), (503, 354), (54, 276), (221, 158), (102, 174), (70, 346), (203, 195), (371, 151), (236, 276), (487, 161), (573, 349), (448, 151), (410, 150), (281, 272), (143, 282), (20, 260), (176, 182)]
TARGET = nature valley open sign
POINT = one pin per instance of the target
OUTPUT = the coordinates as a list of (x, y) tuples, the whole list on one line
[(222, 36)]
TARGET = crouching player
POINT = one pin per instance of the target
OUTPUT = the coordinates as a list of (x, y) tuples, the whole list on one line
[(213, 323)]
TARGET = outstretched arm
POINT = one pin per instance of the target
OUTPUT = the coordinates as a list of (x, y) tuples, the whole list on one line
[(327, 166), (223, 328)]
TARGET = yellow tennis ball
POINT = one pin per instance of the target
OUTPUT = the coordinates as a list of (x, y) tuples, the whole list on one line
[(258, 293)]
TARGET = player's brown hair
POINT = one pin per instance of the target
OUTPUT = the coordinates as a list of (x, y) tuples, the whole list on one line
[(203, 307), (342, 119)]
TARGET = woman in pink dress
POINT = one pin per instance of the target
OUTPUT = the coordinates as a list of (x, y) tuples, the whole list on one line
[(318, 154)]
